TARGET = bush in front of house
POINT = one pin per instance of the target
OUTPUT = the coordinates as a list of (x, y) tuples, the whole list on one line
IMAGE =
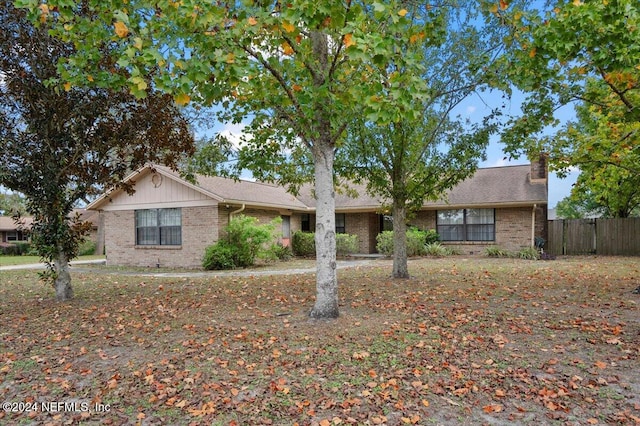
[(495, 251), (384, 243), (218, 256), (526, 253), (245, 240), (346, 244), (87, 248), (15, 248), (416, 241), (438, 250), (304, 244)]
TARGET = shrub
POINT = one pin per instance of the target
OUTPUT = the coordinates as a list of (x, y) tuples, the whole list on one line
[(277, 252), (431, 236), (247, 236), (8, 249), (384, 243), (346, 244), (304, 243), (218, 256), (245, 240), (528, 253), (416, 241), (87, 248), (495, 251), (437, 249)]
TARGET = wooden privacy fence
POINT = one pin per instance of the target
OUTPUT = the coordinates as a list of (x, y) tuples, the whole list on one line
[(594, 236)]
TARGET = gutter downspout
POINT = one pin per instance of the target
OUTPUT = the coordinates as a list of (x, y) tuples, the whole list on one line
[(235, 212), (533, 225)]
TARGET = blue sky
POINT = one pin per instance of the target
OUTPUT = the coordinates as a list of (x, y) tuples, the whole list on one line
[(475, 108)]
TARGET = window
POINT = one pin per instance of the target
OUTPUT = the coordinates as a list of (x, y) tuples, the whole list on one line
[(466, 225), (286, 226), (340, 223), (16, 236), (159, 227), (305, 225)]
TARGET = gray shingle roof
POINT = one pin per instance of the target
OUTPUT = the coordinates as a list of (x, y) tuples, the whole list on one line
[(496, 186), (243, 191), (508, 185)]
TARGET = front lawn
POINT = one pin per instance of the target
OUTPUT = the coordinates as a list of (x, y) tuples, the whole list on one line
[(466, 341)]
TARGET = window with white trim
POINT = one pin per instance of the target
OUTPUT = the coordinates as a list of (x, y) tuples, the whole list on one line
[(466, 225), (159, 227)]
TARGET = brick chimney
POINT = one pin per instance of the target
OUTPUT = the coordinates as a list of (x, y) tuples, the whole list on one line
[(539, 169)]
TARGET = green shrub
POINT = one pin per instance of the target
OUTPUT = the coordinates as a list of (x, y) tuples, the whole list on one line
[(495, 251), (384, 243), (23, 248), (346, 244), (8, 249), (277, 252), (245, 239), (219, 256), (304, 244), (431, 236), (416, 241), (528, 253), (87, 248), (436, 249)]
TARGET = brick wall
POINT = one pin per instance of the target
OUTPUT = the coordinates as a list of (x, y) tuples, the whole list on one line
[(200, 227), (365, 226)]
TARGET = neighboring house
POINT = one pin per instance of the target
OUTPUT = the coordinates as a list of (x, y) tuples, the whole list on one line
[(169, 221), (10, 232)]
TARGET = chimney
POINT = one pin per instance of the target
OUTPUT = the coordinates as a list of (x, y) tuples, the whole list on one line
[(539, 169)]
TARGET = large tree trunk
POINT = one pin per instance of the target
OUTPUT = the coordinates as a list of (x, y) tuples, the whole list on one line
[(400, 268), (326, 305), (62, 283)]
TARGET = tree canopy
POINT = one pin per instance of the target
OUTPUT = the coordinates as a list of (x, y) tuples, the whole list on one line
[(63, 144), (571, 52)]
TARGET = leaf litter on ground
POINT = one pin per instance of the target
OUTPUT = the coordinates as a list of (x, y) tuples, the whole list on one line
[(465, 340)]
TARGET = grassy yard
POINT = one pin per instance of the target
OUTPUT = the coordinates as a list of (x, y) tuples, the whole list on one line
[(25, 260), (465, 341)]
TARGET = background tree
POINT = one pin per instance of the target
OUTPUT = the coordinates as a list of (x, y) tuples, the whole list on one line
[(577, 206), (407, 160), (63, 144), (299, 71), (11, 203), (569, 52)]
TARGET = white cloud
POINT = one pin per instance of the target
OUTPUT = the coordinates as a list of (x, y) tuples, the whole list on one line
[(471, 109), (234, 133)]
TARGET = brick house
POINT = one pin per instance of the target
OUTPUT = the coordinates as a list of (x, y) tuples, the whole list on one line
[(169, 221), (10, 232)]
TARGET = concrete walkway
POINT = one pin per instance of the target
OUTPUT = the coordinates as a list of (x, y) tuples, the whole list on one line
[(77, 266), (42, 265)]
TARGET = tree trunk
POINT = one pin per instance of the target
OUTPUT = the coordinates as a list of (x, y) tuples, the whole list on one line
[(62, 283), (400, 268), (326, 305)]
